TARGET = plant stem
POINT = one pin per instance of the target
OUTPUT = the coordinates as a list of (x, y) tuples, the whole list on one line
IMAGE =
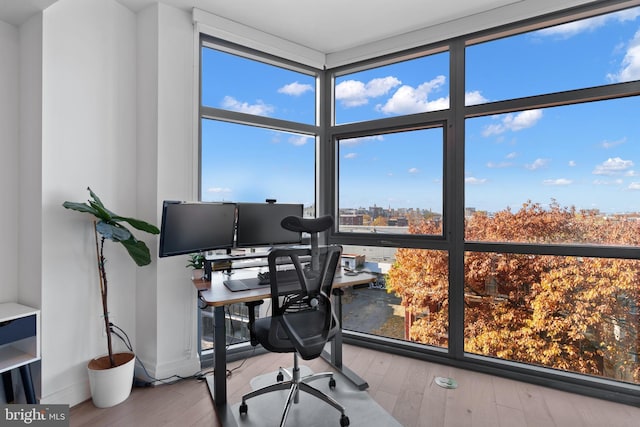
[(103, 292)]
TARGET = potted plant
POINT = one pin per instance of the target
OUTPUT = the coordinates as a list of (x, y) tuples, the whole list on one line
[(196, 262), (107, 371)]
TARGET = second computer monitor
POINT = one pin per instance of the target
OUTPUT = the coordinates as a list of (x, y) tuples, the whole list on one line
[(258, 224)]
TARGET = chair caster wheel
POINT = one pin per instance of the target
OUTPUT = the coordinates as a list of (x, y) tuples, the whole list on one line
[(280, 377), (332, 383), (243, 409), (344, 421)]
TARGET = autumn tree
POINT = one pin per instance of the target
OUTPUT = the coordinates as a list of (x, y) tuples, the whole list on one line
[(571, 313), (380, 221)]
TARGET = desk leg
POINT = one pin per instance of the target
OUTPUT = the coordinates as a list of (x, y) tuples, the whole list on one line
[(335, 358), (218, 385), (220, 357)]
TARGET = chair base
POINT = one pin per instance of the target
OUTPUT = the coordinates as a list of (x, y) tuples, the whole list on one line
[(295, 384)]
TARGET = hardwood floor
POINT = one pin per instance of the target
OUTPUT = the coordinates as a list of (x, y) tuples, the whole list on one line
[(405, 387)]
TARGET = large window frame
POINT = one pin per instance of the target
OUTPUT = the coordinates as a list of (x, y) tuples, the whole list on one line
[(452, 120), (260, 121), (453, 240), (237, 317)]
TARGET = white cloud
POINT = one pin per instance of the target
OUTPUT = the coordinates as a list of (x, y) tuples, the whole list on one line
[(413, 170), (218, 190), (632, 173), (474, 98), (634, 186), (299, 140), (405, 100), (354, 93), (408, 100), (608, 182), (630, 67), (474, 181), (503, 164), (259, 108), (572, 163), (611, 144), (381, 86), (570, 29), (514, 122), (559, 182), (613, 166), (537, 164), (295, 89), (350, 156), (358, 140)]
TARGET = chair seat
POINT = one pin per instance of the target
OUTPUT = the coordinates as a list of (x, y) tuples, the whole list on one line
[(272, 334)]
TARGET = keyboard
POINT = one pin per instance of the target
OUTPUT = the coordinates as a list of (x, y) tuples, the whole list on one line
[(285, 278)]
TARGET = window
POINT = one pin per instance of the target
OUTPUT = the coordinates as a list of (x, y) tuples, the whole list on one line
[(229, 82), (589, 52), (577, 314), (551, 221), (405, 172), (580, 162), (258, 136), (243, 163), (406, 87), (556, 168), (496, 203), (258, 141)]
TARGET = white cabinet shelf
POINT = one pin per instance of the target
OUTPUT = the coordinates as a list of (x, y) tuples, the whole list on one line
[(19, 343)]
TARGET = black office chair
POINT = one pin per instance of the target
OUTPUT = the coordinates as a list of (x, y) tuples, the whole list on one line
[(302, 318)]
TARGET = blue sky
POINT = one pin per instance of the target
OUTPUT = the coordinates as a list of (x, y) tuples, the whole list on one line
[(586, 155)]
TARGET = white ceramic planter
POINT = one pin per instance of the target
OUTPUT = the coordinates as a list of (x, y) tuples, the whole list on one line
[(110, 386)]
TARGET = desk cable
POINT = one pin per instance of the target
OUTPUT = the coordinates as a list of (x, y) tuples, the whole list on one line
[(120, 333)]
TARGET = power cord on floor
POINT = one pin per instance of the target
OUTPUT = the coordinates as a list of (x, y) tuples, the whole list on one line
[(120, 333), (199, 376)]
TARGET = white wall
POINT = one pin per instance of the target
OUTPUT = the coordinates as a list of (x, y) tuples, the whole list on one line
[(166, 307), (176, 180), (117, 114), (30, 182), (9, 149), (88, 139)]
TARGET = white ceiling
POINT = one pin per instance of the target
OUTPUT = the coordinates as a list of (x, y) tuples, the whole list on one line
[(329, 26)]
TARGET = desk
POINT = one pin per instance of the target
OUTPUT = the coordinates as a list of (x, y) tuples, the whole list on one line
[(216, 294)]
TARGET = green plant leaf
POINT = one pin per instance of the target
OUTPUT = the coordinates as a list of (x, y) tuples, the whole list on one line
[(101, 213), (80, 207), (138, 250), (114, 232), (108, 226), (138, 224)]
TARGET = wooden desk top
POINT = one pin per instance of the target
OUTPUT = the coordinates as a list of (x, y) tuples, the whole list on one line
[(217, 294)]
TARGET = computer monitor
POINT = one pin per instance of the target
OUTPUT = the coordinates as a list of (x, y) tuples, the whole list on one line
[(189, 227), (259, 224)]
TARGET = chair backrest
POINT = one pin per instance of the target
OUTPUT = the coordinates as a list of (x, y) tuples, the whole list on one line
[(302, 304)]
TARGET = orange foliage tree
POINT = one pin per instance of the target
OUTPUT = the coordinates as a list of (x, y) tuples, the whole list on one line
[(571, 313)]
